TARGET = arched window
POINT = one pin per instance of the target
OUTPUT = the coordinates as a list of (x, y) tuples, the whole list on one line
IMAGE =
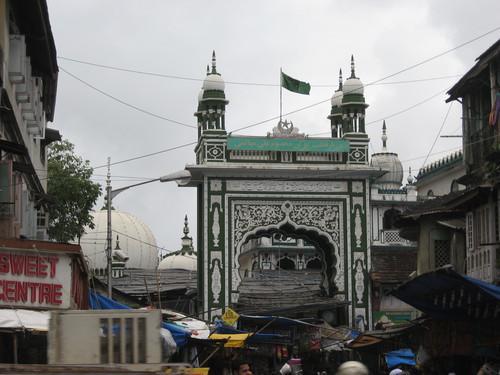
[(314, 264), (286, 264), (390, 217), (430, 193)]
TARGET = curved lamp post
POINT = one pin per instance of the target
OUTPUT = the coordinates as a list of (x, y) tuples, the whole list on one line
[(182, 177)]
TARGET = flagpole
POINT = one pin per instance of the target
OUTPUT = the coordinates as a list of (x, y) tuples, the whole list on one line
[(281, 94)]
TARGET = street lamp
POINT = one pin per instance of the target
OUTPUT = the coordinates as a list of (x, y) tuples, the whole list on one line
[(182, 177)]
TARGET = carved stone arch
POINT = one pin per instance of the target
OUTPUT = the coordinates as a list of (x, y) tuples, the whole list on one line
[(323, 241)]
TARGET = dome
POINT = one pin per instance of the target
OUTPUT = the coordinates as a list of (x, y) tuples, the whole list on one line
[(388, 161), (337, 98), (181, 261), (353, 86), (214, 81), (185, 258), (135, 239)]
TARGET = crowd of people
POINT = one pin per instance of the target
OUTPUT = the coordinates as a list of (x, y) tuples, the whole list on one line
[(293, 367)]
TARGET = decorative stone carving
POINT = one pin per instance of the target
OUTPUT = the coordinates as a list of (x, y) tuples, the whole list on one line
[(358, 228), (357, 187), (322, 217), (287, 186), (216, 281), (215, 185), (359, 277), (216, 227), (215, 152)]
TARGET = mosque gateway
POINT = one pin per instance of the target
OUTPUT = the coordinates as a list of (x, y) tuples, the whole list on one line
[(284, 186)]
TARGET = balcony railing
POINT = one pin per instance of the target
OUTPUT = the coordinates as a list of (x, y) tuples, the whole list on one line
[(392, 237)]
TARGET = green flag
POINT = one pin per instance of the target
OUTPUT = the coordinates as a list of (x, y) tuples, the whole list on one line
[(294, 85)]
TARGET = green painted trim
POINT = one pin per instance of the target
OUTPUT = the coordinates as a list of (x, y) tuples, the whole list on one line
[(287, 144)]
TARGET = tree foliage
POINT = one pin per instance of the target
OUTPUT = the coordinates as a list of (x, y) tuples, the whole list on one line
[(73, 193)]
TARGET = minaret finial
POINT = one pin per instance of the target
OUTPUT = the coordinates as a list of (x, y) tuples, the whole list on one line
[(384, 137), (208, 69), (186, 227), (353, 73), (340, 79), (214, 70), (117, 243), (410, 177)]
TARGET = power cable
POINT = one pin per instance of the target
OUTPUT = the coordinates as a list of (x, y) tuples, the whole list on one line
[(124, 102), (439, 132), (172, 76)]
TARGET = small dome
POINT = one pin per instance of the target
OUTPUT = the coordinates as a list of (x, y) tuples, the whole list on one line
[(353, 86), (337, 98), (214, 82), (186, 262), (388, 161), (185, 258), (135, 238)]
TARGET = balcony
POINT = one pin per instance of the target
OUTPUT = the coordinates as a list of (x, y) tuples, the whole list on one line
[(391, 237)]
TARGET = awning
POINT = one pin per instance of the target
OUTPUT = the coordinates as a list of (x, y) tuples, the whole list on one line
[(255, 338), (445, 294), (233, 340), (18, 319), (13, 147)]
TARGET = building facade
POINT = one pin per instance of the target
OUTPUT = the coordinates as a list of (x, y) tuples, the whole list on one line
[(28, 76), (479, 93)]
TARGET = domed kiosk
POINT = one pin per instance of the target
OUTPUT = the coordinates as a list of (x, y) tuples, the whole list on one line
[(183, 259), (130, 235), (388, 161)]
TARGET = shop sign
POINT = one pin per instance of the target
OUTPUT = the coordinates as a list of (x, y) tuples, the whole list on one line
[(35, 279), (230, 316)]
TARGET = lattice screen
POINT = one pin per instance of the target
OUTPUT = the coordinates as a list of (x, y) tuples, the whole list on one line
[(441, 252)]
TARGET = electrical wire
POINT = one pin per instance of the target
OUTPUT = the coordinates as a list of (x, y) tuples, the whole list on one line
[(149, 113), (439, 132), (172, 76)]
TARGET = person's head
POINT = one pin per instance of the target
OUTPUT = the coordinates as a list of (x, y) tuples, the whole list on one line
[(242, 368), (352, 368)]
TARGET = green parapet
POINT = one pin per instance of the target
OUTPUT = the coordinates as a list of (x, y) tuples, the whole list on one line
[(288, 144)]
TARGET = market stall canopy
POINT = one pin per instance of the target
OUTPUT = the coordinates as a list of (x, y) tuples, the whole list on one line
[(18, 319), (445, 294), (233, 340)]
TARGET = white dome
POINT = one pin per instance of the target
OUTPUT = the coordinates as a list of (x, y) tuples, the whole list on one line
[(135, 239), (353, 86), (186, 262), (388, 161), (214, 82), (337, 98)]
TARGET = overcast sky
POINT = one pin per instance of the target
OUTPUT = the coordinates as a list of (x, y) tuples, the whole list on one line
[(310, 40)]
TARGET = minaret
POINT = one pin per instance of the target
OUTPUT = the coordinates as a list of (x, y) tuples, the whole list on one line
[(353, 118), (353, 103), (384, 137), (335, 116), (211, 115), (187, 241)]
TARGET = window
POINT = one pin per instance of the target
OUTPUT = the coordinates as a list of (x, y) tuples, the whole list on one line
[(441, 253), (430, 194)]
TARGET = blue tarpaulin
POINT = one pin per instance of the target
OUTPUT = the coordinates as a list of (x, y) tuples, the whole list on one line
[(99, 302), (445, 294), (400, 357)]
